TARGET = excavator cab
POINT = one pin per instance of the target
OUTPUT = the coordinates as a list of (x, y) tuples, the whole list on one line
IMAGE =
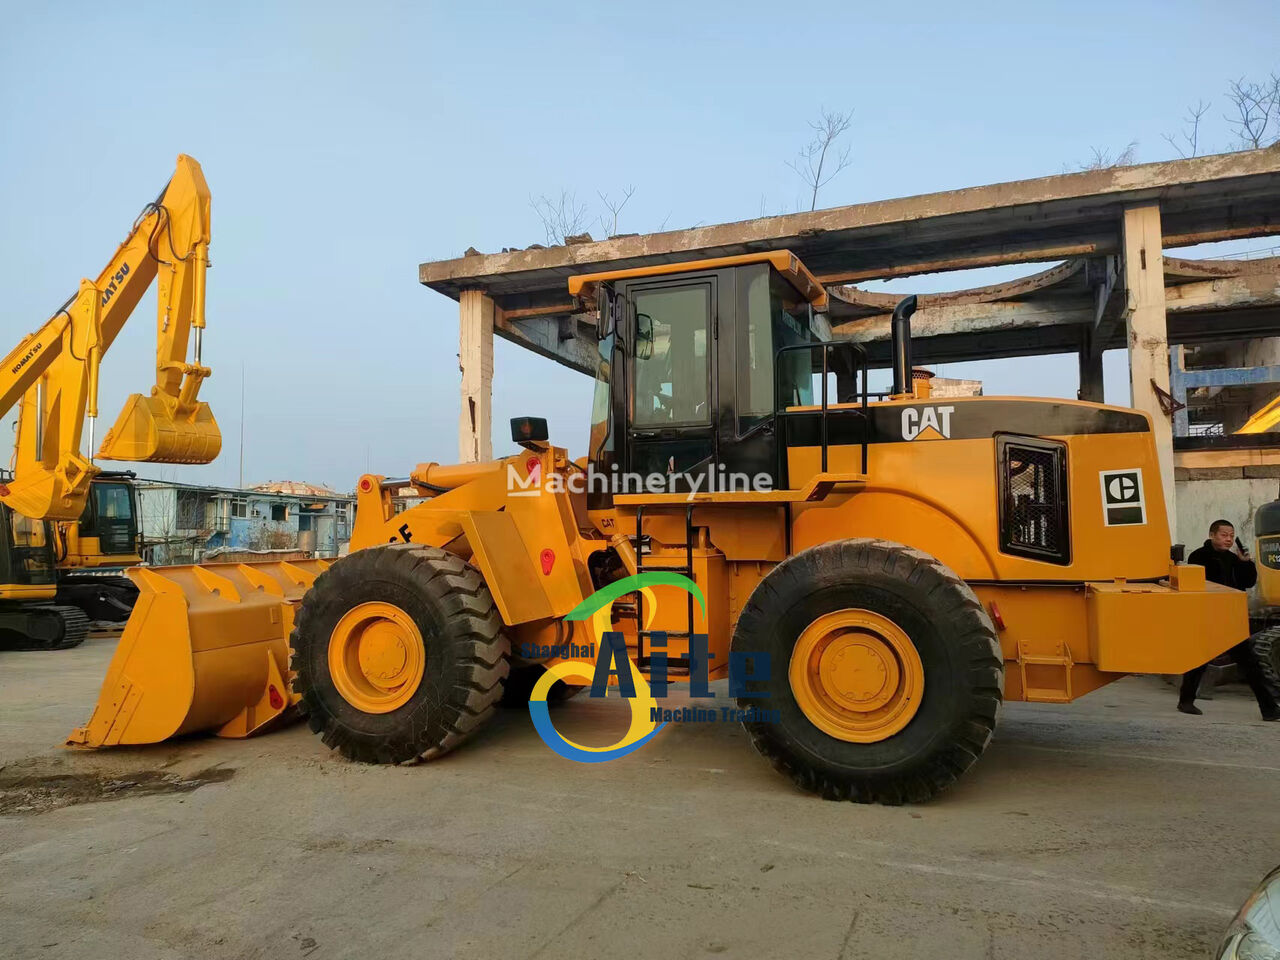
[(26, 557), (107, 532), (93, 550)]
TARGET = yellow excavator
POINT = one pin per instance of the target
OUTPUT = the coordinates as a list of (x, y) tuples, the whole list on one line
[(57, 504), (92, 553), (904, 565)]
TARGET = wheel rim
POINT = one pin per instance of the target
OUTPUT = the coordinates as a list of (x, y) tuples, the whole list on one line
[(376, 657), (857, 676)]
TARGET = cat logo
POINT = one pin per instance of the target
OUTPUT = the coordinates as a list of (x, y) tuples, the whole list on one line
[(927, 423), (1122, 500)]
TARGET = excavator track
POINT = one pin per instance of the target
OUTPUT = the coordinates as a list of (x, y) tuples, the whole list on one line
[(42, 626)]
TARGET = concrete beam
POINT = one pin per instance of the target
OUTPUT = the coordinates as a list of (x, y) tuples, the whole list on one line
[(475, 361), (1042, 219), (1148, 337), (570, 341), (1227, 306), (1258, 285), (1230, 376), (932, 320)]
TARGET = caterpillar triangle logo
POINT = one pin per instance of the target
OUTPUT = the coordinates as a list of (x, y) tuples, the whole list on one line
[(927, 423)]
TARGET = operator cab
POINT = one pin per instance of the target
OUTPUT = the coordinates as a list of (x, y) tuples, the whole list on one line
[(26, 552), (698, 360), (111, 514)]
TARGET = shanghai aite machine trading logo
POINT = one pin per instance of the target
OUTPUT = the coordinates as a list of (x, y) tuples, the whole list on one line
[(613, 663)]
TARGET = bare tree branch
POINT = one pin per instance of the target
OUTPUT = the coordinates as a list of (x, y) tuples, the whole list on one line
[(1105, 160), (812, 163), (1257, 105), (609, 222), (1187, 142), (562, 217)]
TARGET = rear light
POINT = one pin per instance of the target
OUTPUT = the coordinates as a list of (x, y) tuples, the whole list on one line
[(274, 698), (995, 616)]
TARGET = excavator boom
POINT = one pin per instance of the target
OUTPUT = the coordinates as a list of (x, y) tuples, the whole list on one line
[(53, 373)]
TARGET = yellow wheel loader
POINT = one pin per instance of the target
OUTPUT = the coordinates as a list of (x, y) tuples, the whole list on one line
[(51, 376), (1265, 621), (885, 571)]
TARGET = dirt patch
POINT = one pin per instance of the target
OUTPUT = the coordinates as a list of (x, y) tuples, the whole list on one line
[(25, 792)]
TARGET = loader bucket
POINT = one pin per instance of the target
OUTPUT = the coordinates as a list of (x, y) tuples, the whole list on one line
[(155, 430), (206, 648)]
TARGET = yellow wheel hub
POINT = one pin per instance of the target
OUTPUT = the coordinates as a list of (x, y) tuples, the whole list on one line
[(376, 657), (857, 676)]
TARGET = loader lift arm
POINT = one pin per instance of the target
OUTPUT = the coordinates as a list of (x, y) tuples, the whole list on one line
[(53, 373)]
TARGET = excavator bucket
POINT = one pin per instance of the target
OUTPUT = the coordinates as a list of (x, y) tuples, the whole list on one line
[(206, 648), (155, 430)]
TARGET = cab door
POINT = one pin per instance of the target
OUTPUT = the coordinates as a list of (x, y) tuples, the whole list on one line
[(672, 396)]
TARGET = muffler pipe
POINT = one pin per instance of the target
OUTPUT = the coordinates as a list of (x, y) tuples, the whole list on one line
[(901, 330)]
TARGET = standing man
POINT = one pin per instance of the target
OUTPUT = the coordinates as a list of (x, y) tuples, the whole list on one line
[(1224, 563)]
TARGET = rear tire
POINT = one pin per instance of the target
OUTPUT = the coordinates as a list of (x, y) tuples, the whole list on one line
[(1266, 647), (438, 601), (939, 635)]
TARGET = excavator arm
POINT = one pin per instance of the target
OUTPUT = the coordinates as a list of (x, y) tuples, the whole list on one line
[(53, 373)]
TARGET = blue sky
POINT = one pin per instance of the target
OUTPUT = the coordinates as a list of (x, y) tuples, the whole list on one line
[(346, 143)]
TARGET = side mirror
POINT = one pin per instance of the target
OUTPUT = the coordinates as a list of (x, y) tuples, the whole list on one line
[(529, 430), (644, 336), (604, 311)]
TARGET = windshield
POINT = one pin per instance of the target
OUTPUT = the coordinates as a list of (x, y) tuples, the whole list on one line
[(112, 501)]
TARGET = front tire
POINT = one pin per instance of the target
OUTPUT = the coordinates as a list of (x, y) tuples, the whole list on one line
[(885, 671), (399, 654), (521, 681)]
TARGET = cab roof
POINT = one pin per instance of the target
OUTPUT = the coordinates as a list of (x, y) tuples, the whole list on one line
[(784, 261)]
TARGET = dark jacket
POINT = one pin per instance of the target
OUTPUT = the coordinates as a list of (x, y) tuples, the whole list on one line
[(1224, 567)]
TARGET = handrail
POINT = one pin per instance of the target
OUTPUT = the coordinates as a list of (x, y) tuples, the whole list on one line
[(780, 411)]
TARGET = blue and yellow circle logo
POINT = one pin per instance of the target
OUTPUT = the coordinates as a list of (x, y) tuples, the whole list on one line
[(598, 609)]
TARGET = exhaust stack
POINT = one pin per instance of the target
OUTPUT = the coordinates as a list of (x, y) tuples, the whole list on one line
[(901, 330)]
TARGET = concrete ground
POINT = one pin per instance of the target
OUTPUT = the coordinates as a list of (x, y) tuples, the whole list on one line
[(1112, 827)]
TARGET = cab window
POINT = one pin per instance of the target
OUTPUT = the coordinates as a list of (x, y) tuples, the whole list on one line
[(672, 372), (113, 501), (777, 317)]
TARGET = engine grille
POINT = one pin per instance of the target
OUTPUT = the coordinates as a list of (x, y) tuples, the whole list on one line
[(1033, 499)]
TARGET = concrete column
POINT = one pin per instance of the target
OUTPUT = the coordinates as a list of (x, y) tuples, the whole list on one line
[(475, 360), (1090, 369), (1178, 387), (1148, 336)]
